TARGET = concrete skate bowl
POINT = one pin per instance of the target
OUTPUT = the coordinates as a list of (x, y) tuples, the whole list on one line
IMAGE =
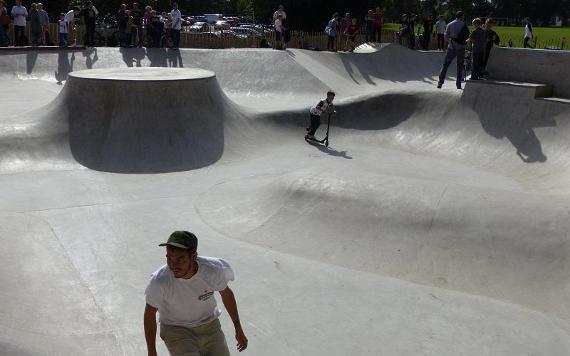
[(459, 199)]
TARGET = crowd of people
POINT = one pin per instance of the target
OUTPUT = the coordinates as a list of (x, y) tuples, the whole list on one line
[(468, 47)]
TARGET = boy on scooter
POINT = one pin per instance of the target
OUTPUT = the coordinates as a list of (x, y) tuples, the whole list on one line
[(325, 105)]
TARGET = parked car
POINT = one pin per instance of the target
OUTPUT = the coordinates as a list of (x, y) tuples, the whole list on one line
[(222, 25), (199, 27), (231, 34), (246, 31)]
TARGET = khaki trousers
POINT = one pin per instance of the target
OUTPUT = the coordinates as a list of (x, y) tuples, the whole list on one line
[(203, 340)]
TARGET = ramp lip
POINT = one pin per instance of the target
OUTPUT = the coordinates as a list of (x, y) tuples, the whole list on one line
[(144, 74)]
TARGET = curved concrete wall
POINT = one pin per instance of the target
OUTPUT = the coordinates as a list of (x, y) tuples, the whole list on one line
[(533, 66)]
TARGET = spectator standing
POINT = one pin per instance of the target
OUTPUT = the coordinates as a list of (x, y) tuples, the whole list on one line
[(456, 34), (71, 28), (62, 30), (44, 21), (331, 31), (122, 19), (35, 25), (378, 24), (129, 29), (147, 23), (528, 35), (344, 23), (286, 33), (182, 292), (279, 28), (440, 26), (280, 11), (404, 31), (478, 39), (176, 25), (89, 16), (369, 26), (492, 39), (428, 31), (137, 15), (157, 26), (19, 13), (4, 24), (351, 33)]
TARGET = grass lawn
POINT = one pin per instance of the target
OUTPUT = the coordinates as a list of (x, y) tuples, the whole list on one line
[(545, 36)]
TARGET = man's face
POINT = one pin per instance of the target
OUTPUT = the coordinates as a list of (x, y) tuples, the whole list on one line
[(179, 261), (330, 98)]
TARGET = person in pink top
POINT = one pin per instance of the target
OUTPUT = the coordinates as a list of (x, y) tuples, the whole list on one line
[(378, 24)]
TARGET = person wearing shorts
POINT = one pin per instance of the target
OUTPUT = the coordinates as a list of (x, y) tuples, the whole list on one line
[(182, 292)]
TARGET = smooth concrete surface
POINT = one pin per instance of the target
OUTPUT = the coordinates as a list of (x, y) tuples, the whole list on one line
[(436, 223), (532, 65)]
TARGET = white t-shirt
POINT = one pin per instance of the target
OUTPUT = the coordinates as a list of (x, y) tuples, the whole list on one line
[(70, 16), (20, 13), (323, 105), (62, 26), (176, 19), (527, 31), (279, 12), (189, 302), (278, 25)]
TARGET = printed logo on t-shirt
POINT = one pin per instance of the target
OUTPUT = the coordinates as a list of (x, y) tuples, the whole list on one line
[(207, 295)]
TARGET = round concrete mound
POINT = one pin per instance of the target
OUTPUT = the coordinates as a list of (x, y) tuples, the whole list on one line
[(145, 119)]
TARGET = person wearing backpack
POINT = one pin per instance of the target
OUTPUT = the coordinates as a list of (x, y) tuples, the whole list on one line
[(456, 33), (331, 31)]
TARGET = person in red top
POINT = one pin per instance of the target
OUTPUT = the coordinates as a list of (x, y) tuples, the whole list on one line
[(344, 23), (378, 24), (351, 32)]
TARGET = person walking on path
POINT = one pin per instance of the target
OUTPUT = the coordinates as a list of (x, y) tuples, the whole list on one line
[(176, 25), (19, 13), (378, 24), (35, 25), (440, 27), (528, 35), (478, 40), (89, 16), (456, 34), (44, 21), (182, 292), (331, 31)]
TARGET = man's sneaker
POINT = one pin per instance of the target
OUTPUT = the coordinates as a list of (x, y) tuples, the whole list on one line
[(439, 85), (459, 87), (310, 137)]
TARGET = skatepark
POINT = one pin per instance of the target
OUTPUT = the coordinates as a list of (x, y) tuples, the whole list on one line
[(435, 223)]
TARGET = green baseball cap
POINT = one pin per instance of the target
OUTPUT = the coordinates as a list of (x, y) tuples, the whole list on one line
[(182, 239)]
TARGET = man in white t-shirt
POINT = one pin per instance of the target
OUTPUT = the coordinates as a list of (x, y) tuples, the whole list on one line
[(182, 292), (70, 19), (19, 13), (280, 11), (176, 25)]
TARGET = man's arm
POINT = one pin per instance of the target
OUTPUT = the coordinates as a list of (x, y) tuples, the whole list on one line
[(229, 301), (150, 329)]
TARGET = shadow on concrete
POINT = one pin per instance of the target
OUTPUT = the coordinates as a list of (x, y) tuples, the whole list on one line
[(330, 151), (64, 66), (133, 56), (31, 58), (91, 57)]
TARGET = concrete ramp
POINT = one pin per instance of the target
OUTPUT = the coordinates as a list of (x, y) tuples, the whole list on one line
[(435, 223)]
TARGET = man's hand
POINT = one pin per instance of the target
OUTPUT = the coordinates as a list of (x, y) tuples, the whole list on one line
[(241, 340)]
